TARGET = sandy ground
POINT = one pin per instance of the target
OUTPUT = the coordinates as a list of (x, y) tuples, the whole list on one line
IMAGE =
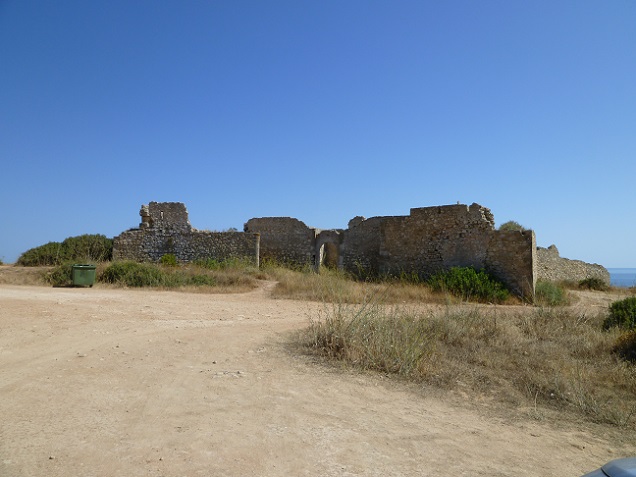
[(112, 382)]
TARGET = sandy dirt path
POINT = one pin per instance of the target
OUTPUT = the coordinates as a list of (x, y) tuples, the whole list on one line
[(111, 382)]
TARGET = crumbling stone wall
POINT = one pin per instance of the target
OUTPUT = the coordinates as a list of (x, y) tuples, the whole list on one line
[(284, 239), (165, 216), (512, 258), (426, 241), (165, 229), (360, 251), (432, 239), (552, 267)]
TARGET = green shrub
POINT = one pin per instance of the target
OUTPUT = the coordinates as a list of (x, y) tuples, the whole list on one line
[(133, 274), (210, 264), (202, 280), (625, 346), (47, 254), (61, 275), (168, 259), (550, 294), (232, 262), (83, 248), (513, 226), (593, 283), (469, 284), (622, 314), (412, 278)]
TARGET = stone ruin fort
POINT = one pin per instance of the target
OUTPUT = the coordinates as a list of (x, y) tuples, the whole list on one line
[(428, 240)]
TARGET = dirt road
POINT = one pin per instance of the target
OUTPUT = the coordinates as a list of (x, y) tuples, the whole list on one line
[(111, 382)]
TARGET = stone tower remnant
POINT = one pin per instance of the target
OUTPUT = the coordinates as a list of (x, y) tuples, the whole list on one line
[(165, 229)]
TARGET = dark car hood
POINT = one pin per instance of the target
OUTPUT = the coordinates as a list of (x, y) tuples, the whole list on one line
[(621, 467)]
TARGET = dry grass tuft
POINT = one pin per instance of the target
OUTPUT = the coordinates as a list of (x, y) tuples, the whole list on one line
[(17, 275), (333, 286), (550, 358)]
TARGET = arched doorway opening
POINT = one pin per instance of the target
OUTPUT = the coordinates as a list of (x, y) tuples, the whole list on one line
[(328, 255), (327, 250)]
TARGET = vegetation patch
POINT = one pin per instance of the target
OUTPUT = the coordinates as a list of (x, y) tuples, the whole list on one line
[(134, 274), (540, 358), (336, 286), (235, 263), (61, 275), (81, 249), (593, 283), (625, 346), (168, 259), (550, 294), (622, 314), (470, 285), (512, 226)]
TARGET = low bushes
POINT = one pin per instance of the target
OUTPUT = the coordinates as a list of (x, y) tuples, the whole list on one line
[(137, 275), (60, 276), (168, 259), (625, 346), (230, 263), (550, 294), (83, 248), (133, 274), (593, 283), (469, 284), (512, 226), (622, 314)]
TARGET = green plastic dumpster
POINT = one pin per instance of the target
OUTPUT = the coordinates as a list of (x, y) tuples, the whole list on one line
[(83, 275)]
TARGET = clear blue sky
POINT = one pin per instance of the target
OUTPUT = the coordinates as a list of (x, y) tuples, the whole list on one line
[(320, 110)]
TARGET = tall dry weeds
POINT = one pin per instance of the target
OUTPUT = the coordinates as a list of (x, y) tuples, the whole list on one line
[(333, 286), (549, 358)]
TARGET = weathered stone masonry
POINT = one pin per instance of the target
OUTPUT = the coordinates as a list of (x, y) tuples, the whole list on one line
[(432, 239), (428, 240), (424, 242), (552, 267), (165, 229), (284, 239)]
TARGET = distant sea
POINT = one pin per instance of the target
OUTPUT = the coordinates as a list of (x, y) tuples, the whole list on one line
[(622, 277)]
